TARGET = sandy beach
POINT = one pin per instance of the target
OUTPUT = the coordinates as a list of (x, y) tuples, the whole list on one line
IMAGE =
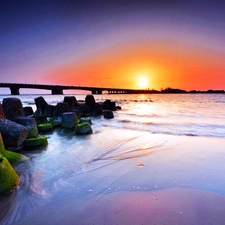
[(180, 183)]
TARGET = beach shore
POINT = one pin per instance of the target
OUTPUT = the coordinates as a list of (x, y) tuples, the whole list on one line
[(182, 182)]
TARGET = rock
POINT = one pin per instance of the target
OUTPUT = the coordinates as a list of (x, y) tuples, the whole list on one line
[(49, 110), (55, 121), (72, 102), (85, 119), (8, 176), (97, 110), (12, 108), (30, 124), (109, 105), (11, 156), (69, 120), (45, 127), (92, 110), (40, 119), (83, 128), (40, 104), (108, 114), (90, 100), (2, 114), (34, 143), (61, 108), (28, 111), (13, 134)]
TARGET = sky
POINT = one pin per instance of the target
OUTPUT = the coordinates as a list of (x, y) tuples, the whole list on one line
[(173, 43)]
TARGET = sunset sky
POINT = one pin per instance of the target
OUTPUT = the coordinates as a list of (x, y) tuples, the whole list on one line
[(178, 44)]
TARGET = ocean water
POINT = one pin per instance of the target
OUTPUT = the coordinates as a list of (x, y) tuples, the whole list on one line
[(136, 151), (183, 114)]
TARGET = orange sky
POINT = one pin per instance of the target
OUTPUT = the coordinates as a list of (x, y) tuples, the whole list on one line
[(177, 44), (163, 63)]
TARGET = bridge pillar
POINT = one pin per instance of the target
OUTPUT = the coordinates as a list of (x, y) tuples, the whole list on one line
[(14, 90), (94, 92), (57, 91)]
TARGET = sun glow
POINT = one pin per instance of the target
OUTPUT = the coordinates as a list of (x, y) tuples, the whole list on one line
[(143, 82)]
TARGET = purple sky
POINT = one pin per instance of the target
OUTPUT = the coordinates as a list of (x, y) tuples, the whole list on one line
[(39, 36)]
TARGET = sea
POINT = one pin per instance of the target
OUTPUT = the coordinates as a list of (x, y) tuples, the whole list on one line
[(97, 164)]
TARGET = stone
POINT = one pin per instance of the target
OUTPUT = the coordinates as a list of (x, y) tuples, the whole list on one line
[(10, 155), (85, 119), (2, 114), (83, 128), (45, 127), (61, 108), (30, 124), (40, 119), (34, 143), (90, 100), (12, 108), (49, 110), (28, 111), (72, 101), (109, 105), (13, 134), (8, 176), (69, 120), (108, 114), (40, 104)]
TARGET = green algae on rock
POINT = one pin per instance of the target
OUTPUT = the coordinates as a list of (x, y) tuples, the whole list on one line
[(34, 143), (84, 128), (45, 127), (8, 176), (10, 155)]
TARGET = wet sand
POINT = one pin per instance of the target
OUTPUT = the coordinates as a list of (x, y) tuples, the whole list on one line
[(180, 183)]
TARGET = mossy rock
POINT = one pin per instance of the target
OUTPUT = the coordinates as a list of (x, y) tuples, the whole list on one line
[(84, 128), (55, 121), (40, 119), (8, 176), (45, 127), (11, 156), (34, 143), (85, 119)]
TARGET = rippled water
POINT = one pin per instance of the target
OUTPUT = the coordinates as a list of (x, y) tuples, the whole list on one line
[(183, 114), (141, 136)]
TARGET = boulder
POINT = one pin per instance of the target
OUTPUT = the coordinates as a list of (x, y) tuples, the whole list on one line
[(109, 105), (12, 108), (13, 134), (85, 119), (28, 111), (40, 119), (90, 100), (72, 102), (92, 110), (45, 127), (10, 155), (8, 176), (69, 120), (34, 143), (2, 114), (40, 104), (49, 110), (30, 124), (83, 128), (61, 108), (108, 114)]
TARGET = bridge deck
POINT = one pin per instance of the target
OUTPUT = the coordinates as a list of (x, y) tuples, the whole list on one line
[(58, 89)]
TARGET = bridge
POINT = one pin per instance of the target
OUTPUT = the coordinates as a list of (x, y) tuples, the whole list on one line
[(58, 89)]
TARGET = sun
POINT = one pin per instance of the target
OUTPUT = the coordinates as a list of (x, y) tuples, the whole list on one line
[(143, 82)]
